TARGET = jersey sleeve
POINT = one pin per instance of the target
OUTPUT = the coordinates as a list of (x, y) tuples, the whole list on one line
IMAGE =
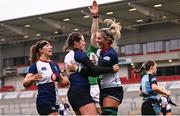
[(108, 60), (80, 55), (90, 69), (55, 68), (58, 68), (140, 88), (153, 79), (33, 69)]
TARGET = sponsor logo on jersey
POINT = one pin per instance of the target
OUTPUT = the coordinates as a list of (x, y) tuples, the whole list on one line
[(107, 58), (43, 68)]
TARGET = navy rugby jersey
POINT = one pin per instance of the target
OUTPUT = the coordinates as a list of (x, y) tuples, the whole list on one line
[(108, 58), (47, 90)]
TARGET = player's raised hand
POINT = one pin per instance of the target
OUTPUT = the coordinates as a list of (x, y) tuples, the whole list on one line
[(94, 9)]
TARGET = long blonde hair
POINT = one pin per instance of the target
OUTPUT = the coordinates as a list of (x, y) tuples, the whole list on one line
[(112, 33), (114, 27)]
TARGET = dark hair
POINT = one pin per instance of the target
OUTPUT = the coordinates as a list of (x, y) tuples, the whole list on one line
[(34, 50), (145, 66), (72, 37)]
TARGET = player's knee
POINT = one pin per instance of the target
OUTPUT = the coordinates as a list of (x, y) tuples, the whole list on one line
[(109, 111)]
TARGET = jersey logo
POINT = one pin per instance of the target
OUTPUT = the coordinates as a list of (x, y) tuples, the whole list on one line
[(53, 108), (107, 58), (56, 68), (43, 68), (153, 79)]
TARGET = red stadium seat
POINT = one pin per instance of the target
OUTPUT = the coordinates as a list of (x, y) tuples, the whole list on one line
[(7, 88), (33, 87)]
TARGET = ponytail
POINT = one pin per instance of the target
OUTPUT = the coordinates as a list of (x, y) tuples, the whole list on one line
[(34, 50), (114, 27), (139, 70), (145, 66), (33, 54), (112, 34)]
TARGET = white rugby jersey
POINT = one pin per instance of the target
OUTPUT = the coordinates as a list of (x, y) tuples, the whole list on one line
[(47, 89), (76, 78)]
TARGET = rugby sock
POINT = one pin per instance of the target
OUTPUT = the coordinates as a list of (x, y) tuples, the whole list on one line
[(109, 111)]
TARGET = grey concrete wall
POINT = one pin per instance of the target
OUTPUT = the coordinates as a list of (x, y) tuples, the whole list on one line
[(155, 57), (151, 33)]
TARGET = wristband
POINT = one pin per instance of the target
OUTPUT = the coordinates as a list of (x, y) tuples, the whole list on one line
[(76, 68), (56, 77), (79, 69), (95, 16)]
